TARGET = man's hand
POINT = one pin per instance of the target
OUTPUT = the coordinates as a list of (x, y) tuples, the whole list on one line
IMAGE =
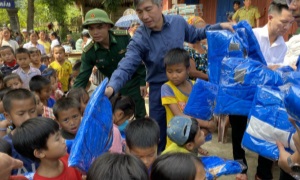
[(274, 67), (283, 155), (109, 91), (143, 90), (7, 164), (228, 26)]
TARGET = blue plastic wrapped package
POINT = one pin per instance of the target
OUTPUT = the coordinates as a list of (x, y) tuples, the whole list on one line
[(268, 123), (94, 136), (238, 82), (223, 44), (292, 77), (292, 102), (216, 167), (201, 101)]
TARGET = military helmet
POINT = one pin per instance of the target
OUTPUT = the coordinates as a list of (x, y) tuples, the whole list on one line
[(96, 16)]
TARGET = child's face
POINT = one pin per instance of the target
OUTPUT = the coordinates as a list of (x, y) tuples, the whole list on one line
[(75, 74), (45, 92), (59, 54), (21, 111), (7, 55), (177, 73), (56, 147), (83, 102), (53, 83), (1, 107), (119, 117), (39, 105), (14, 83), (35, 58), (199, 139), (23, 60), (69, 120), (6, 34), (46, 62), (147, 155)]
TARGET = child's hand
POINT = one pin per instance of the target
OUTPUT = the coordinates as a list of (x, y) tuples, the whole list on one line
[(211, 126), (58, 94), (4, 124)]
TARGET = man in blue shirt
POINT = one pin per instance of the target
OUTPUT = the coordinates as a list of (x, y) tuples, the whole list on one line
[(158, 34)]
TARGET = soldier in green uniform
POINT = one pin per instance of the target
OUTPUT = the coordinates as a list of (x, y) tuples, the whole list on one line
[(105, 51)]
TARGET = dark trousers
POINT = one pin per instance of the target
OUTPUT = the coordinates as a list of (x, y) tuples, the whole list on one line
[(158, 113), (285, 176), (264, 168), (238, 127)]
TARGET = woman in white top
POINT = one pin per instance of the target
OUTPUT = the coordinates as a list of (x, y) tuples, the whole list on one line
[(33, 36), (54, 40), (5, 39)]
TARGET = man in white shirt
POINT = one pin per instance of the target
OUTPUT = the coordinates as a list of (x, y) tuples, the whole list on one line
[(270, 37)]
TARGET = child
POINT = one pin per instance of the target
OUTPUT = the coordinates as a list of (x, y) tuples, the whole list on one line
[(42, 87), (45, 60), (25, 71), (175, 92), (123, 111), (3, 122), (13, 81), (185, 134), (10, 63), (117, 166), (142, 137), (90, 87), (62, 67), (19, 106), (81, 96), (39, 140), (39, 105), (56, 92), (67, 114), (177, 166), (35, 56)]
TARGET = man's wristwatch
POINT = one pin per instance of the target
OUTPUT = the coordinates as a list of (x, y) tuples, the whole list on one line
[(295, 167)]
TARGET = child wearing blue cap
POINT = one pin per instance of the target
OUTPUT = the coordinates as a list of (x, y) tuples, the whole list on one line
[(186, 135)]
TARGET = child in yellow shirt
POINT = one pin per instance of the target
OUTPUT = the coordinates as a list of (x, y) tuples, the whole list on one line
[(62, 67)]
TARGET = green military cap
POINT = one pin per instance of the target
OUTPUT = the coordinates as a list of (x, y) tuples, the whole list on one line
[(96, 16)]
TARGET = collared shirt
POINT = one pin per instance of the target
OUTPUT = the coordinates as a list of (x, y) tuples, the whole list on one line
[(275, 53), (26, 77), (38, 46), (249, 15), (151, 47)]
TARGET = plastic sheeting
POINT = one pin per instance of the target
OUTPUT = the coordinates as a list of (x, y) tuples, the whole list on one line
[(222, 44), (94, 136), (216, 167), (292, 102), (201, 100), (268, 123), (238, 82)]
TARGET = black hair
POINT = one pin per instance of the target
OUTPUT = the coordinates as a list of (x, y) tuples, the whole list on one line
[(3, 92), (277, 7), (5, 147), (177, 56), (33, 135), (48, 73), (10, 77), (77, 93), (34, 50), (64, 104), (1, 75), (16, 94), (59, 47), (117, 166), (85, 34), (7, 47), (142, 133), (38, 82), (237, 2), (124, 103), (44, 57), (54, 34), (193, 131), (21, 51), (77, 65), (179, 166)]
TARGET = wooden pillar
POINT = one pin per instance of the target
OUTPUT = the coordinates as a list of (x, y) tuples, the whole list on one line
[(167, 4)]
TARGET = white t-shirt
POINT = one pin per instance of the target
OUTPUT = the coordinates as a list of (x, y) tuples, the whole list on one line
[(12, 43), (275, 53), (54, 43)]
